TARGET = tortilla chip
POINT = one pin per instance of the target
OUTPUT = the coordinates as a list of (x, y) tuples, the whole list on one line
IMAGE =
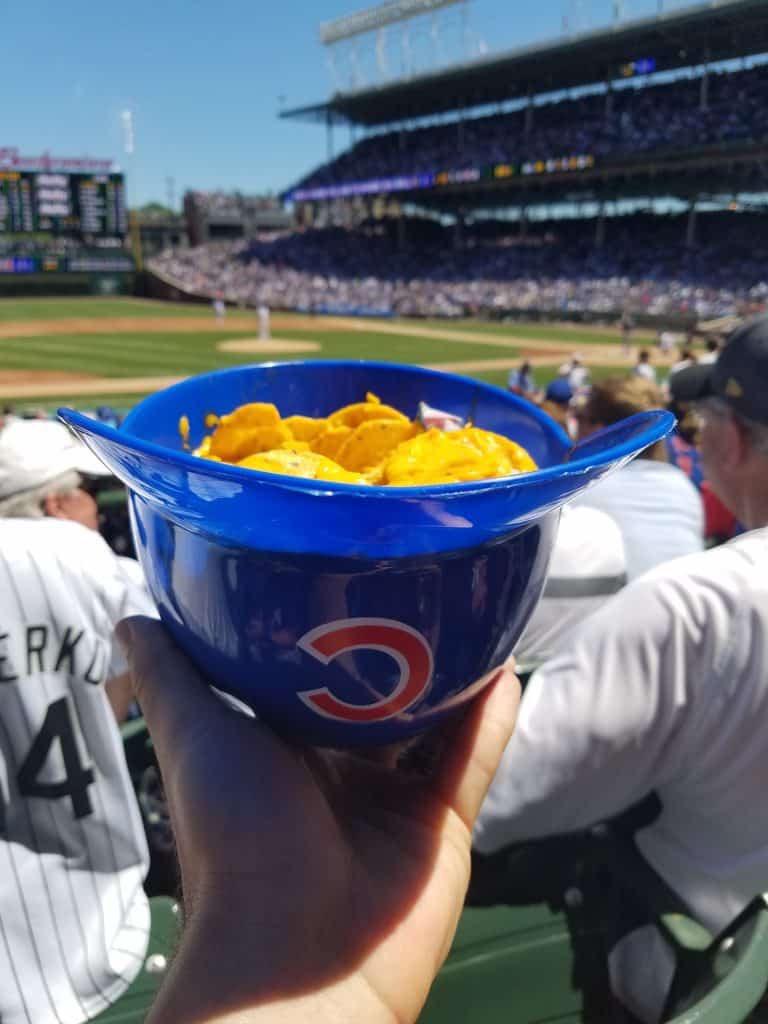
[(371, 442), (305, 464), (330, 441), (304, 428), (359, 412), (232, 443), (366, 442), (254, 414)]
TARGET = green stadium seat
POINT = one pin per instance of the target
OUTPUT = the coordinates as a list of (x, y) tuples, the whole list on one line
[(724, 983), (507, 964), (514, 965), (536, 950)]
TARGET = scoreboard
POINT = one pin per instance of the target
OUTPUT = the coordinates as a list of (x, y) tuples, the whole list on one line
[(55, 202)]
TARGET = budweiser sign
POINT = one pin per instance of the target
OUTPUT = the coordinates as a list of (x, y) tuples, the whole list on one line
[(11, 159)]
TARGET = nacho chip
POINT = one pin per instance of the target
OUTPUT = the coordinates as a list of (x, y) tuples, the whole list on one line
[(305, 428), (232, 443), (373, 441), (254, 414), (366, 442), (300, 463), (330, 441), (359, 412)]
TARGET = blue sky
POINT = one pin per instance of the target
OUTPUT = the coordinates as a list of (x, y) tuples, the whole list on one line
[(205, 80)]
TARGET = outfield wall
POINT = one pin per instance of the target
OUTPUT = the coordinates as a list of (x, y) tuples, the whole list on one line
[(52, 284), (156, 286)]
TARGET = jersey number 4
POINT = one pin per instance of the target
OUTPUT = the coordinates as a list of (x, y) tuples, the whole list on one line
[(58, 725)]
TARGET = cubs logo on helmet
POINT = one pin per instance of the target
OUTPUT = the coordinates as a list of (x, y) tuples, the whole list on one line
[(402, 643)]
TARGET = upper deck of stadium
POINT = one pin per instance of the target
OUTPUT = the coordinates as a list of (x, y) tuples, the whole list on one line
[(710, 32)]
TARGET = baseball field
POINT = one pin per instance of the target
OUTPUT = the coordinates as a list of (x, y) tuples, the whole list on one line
[(92, 351)]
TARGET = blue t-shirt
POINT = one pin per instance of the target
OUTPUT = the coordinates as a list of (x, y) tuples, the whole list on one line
[(686, 457)]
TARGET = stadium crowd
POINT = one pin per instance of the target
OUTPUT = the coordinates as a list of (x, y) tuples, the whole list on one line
[(639, 118), (644, 264)]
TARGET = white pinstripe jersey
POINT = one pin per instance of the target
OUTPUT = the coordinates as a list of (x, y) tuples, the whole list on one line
[(74, 920)]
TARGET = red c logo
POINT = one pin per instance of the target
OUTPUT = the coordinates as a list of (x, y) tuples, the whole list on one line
[(402, 643)]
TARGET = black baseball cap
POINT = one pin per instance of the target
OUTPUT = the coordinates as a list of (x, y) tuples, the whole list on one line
[(739, 376)]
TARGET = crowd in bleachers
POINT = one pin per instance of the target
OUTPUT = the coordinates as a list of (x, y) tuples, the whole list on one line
[(644, 264), (651, 117)]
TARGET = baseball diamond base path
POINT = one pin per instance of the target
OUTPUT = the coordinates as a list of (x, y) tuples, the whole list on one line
[(38, 384)]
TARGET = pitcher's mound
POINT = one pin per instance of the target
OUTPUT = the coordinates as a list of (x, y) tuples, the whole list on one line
[(268, 347)]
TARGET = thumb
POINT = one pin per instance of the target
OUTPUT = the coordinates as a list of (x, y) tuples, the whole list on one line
[(478, 745), (173, 696)]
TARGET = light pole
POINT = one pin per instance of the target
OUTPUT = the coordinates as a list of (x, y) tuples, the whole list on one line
[(129, 148)]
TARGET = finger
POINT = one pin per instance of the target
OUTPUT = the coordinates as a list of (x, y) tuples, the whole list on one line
[(172, 694), (474, 754)]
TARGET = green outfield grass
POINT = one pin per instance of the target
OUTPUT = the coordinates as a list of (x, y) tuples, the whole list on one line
[(155, 353), (94, 308), (137, 353)]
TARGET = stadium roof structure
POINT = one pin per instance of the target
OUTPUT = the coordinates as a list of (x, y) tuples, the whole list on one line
[(689, 175), (705, 32)]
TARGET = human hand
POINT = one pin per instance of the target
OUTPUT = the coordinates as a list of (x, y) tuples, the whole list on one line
[(315, 882)]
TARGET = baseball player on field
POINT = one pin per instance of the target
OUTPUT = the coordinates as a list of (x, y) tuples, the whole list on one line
[(74, 919), (263, 322)]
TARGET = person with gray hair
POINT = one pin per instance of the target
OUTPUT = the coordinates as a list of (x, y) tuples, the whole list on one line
[(665, 691), (43, 472), (74, 918)]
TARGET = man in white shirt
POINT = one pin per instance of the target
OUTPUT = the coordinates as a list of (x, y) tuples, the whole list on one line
[(665, 690), (713, 351), (576, 372), (74, 919), (579, 376), (587, 567), (263, 322), (644, 368), (656, 507), (667, 341), (687, 358)]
